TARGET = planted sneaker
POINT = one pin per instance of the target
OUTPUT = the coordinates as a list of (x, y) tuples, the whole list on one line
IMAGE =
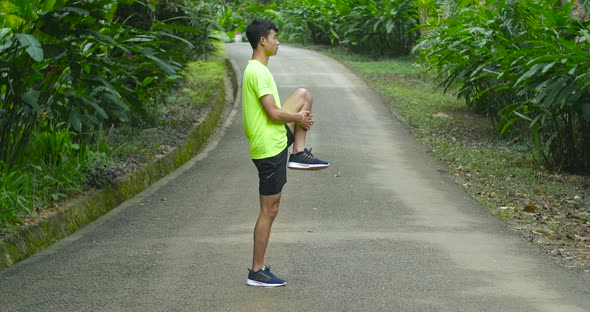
[(265, 278), (306, 161)]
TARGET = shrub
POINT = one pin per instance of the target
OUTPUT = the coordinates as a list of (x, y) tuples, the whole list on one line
[(71, 68), (521, 63), (371, 27)]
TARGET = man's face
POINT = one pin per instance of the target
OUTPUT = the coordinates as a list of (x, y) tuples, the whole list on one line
[(271, 43)]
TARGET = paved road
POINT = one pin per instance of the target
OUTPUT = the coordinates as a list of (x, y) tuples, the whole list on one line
[(380, 230)]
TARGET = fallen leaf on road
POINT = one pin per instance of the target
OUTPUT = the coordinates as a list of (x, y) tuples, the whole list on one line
[(577, 216), (543, 231), (441, 115), (530, 208)]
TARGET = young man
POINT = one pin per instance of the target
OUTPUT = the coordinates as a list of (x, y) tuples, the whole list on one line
[(271, 128)]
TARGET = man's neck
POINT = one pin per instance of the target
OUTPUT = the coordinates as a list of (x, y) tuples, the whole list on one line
[(260, 56)]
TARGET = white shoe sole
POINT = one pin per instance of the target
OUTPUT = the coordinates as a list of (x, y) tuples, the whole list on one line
[(250, 282), (299, 166)]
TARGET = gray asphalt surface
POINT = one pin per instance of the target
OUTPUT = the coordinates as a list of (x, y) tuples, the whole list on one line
[(380, 230)]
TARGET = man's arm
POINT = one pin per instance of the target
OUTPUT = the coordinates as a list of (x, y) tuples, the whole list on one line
[(303, 118)]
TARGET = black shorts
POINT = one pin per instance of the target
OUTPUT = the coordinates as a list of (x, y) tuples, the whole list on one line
[(272, 171)]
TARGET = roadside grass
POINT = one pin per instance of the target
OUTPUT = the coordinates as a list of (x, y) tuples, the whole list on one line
[(172, 119), (550, 209)]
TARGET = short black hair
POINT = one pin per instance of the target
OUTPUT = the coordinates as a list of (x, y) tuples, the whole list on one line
[(257, 29)]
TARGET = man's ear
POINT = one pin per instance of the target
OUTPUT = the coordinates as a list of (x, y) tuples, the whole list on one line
[(262, 40)]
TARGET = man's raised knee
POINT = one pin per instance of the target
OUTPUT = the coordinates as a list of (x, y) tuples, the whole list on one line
[(306, 95)]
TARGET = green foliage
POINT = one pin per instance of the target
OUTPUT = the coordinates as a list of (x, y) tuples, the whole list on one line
[(51, 171), (235, 17), (70, 68), (371, 27), (84, 64), (186, 25), (66, 65), (525, 65), (98, 169), (55, 163), (15, 195)]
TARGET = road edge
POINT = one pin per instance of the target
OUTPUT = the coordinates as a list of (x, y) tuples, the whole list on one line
[(79, 212)]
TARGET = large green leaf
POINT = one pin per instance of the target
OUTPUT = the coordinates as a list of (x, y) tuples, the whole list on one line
[(5, 39), (531, 72), (91, 102), (76, 120), (25, 9), (31, 97), (165, 66), (48, 5), (4, 32), (389, 26), (32, 46), (188, 43)]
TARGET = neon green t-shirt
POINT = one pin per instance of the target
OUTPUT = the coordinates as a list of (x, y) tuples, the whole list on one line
[(267, 138)]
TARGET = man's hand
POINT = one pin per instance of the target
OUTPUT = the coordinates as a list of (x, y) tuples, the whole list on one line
[(306, 120)]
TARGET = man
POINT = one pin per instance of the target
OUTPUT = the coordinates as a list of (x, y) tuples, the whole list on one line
[(271, 128)]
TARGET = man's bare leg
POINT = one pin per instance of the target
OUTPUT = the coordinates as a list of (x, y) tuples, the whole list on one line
[(300, 100), (269, 207)]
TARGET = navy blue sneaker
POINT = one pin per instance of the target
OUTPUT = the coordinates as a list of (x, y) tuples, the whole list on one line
[(265, 278), (306, 161)]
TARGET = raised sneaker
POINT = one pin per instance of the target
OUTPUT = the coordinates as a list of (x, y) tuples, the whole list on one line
[(306, 161)]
